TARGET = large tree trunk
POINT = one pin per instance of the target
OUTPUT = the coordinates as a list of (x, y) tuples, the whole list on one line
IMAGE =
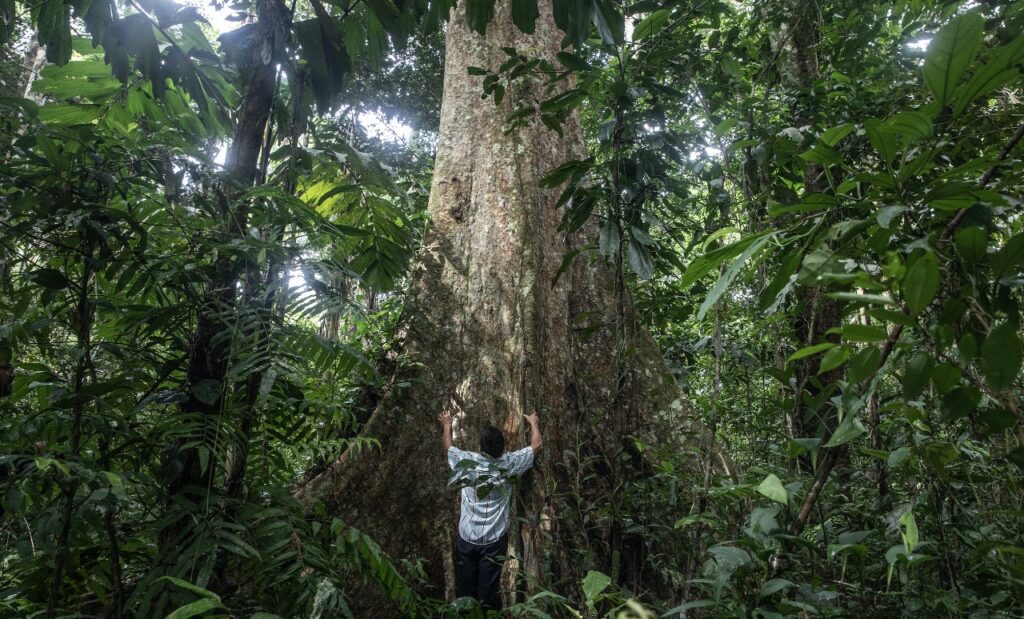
[(485, 324)]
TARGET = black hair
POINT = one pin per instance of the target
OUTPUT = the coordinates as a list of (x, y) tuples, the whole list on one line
[(492, 442)]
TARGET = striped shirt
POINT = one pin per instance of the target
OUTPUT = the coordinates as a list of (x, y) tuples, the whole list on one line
[(486, 491)]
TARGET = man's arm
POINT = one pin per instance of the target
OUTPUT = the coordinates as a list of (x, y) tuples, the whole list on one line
[(445, 418), (535, 439)]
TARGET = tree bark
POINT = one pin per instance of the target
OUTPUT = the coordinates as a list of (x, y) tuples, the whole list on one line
[(485, 324)]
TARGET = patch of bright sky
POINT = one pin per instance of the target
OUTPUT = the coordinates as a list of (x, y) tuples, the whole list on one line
[(220, 18), (920, 44), (378, 126)]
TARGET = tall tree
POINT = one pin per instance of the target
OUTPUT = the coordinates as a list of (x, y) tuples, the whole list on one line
[(817, 312), (208, 357), (490, 323)]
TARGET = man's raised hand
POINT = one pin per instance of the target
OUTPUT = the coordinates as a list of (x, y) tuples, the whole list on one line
[(445, 418), (535, 440)]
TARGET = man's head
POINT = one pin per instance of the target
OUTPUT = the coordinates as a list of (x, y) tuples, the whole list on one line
[(492, 442)]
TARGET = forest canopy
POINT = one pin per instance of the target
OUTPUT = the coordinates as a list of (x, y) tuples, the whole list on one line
[(215, 222)]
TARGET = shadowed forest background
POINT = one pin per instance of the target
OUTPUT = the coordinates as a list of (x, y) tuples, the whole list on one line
[(756, 264)]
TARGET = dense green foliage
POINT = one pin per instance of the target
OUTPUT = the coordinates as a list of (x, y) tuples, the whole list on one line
[(855, 167), (814, 203)]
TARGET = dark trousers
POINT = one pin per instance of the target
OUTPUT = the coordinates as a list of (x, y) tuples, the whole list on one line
[(478, 571)]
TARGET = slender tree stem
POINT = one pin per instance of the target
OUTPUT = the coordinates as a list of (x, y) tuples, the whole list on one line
[(83, 316)]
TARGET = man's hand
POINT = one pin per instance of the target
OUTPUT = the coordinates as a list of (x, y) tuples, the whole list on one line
[(445, 419), (535, 440)]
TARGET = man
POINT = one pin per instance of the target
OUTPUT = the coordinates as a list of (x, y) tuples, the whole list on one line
[(484, 511)]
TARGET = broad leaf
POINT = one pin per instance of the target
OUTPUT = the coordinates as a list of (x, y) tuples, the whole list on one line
[(478, 14), (921, 283), (971, 244), (702, 265), (1009, 259), (1001, 356), (195, 609), (909, 533), (883, 141), (916, 125), (833, 136), (729, 275), (1002, 69), (807, 351), (773, 586), (833, 358), (651, 24), (594, 583), (525, 14), (863, 333), (772, 488), (950, 53), (849, 429), (609, 21), (573, 18), (640, 259)]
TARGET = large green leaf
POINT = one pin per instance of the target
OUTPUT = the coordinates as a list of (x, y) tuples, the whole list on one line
[(999, 71), (909, 533), (833, 358), (525, 14), (640, 259), (387, 14), (195, 609), (573, 18), (727, 276), (702, 265), (184, 584), (921, 283), (807, 351), (1009, 258), (950, 53), (611, 25), (883, 141), (856, 332), (916, 375), (53, 29), (325, 53), (50, 278), (1001, 356), (917, 125), (971, 244), (376, 42), (833, 136), (594, 583), (849, 429), (75, 114), (354, 36), (651, 24), (772, 488), (478, 14)]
